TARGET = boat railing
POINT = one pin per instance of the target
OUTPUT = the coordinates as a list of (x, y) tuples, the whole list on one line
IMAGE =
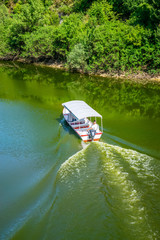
[(81, 123), (81, 126), (76, 122)]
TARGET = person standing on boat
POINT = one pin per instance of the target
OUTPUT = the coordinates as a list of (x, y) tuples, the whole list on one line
[(92, 130)]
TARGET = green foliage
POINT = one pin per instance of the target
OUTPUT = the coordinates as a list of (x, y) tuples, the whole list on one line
[(51, 17), (4, 30), (39, 44), (145, 14), (85, 34), (115, 46), (47, 2), (27, 20), (64, 9), (81, 5), (67, 34), (9, 3), (102, 10), (32, 16), (76, 59), (125, 8)]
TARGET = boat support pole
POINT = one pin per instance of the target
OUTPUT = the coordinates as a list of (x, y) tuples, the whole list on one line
[(102, 124)]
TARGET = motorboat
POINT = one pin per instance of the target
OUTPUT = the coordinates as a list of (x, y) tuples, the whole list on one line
[(81, 118)]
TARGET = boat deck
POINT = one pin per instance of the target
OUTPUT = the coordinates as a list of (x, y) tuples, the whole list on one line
[(81, 128)]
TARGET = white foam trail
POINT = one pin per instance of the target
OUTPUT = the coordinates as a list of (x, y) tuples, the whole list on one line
[(72, 165), (124, 172), (84, 145), (119, 165)]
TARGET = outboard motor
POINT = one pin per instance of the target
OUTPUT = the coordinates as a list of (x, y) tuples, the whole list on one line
[(92, 133)]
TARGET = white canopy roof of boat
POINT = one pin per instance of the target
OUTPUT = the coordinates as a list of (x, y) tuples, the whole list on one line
[(80, 109)]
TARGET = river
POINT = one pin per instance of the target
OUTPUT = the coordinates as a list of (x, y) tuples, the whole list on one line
[(52, 186)]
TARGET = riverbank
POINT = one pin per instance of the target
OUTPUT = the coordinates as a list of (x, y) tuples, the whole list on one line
[(139, 76)]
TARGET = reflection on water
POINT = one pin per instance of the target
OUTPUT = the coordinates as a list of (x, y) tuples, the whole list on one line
[(50, 188), (111, 95)]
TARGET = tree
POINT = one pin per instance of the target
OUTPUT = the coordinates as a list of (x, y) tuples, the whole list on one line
[(102, 10), (4, 30), (30, 17)]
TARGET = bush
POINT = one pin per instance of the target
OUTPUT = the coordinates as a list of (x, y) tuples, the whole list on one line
[(76, 59), (102, 10)]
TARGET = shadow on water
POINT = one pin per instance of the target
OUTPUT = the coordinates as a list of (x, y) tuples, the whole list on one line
[(66, 126)]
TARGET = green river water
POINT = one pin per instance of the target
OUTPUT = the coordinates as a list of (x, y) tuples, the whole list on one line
[(53, 186)]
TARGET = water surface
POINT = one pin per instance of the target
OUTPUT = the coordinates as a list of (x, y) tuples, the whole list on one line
[(55, 187)]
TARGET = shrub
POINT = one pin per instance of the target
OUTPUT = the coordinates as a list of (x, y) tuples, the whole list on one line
[(102, 10), (76, 59)]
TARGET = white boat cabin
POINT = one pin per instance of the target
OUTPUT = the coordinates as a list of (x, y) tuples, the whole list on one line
[(79, 115)]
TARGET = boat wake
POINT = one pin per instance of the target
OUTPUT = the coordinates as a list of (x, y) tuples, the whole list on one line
[(112, 185)]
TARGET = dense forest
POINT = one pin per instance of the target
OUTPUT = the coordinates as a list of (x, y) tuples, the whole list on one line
[(91, 36)]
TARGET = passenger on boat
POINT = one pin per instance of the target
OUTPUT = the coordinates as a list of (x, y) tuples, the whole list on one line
[(92, 130)]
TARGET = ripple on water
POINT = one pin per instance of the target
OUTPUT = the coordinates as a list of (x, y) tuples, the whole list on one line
[(120, 176)]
